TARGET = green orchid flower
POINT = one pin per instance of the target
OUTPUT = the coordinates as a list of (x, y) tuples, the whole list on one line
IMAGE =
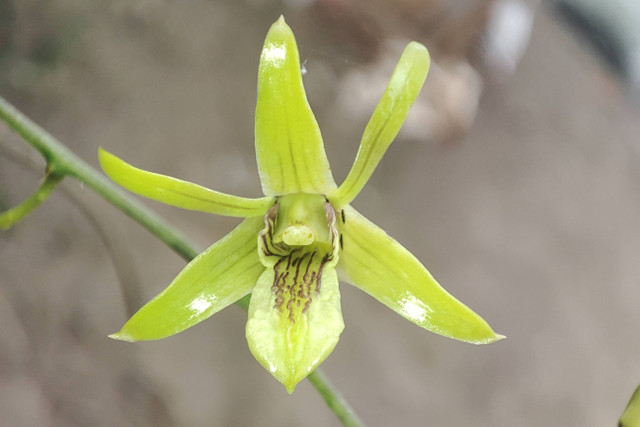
[(297, 241)]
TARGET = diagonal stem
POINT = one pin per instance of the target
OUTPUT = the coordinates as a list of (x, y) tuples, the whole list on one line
[(15, 214), (63, 162), (334, 399)]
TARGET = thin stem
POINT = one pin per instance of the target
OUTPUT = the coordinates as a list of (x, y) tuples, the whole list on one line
[(17, 213), (62, 162), (334, 399)]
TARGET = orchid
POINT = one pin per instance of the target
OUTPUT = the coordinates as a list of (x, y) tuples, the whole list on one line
[(302, 237)]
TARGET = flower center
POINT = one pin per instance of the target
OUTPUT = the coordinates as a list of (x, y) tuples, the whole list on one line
[(298, 234), (298, 242)]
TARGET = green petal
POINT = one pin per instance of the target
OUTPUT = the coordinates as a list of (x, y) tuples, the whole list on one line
[(295, 319), (381, 267), (219, 276), (384, 125), (179, 193), (631, 415), (289, 147)]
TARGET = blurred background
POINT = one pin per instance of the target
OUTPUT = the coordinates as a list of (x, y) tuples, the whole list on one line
[(515, 181)]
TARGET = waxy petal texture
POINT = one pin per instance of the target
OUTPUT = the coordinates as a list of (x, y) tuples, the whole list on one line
[(391, 112), (289, 147), (377, 264), (222, 274), (176, 192), (291, 347)]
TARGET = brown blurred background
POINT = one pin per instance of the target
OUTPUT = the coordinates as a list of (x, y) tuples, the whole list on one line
[(515, 181)]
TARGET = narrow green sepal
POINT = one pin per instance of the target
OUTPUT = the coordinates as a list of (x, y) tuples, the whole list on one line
[(176, 192), (386, 121), (289, 147), (219, 276), (377, 264)]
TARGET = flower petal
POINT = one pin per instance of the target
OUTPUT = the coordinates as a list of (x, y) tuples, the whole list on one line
[(219, 276), (377, 264), (176, 192), (289, 147), (384, 125)]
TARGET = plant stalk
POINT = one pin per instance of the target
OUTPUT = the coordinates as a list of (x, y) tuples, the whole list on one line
[(17, 213)]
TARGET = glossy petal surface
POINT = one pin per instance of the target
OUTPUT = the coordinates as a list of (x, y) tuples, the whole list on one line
[(176, 192), (377, 264), (219, 276), (385, 123), (289, 147)]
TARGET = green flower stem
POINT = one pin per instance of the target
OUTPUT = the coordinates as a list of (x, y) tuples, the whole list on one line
[(15, 214), (334, 399), (63, 162)]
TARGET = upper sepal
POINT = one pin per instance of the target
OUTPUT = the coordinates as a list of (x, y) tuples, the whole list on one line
[(289, 147), (381, 267)]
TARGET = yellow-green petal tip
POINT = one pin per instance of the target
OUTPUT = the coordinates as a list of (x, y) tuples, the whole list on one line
[(418, 46), (279, 29), (120, 336), (291, 384), (491, 340)]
